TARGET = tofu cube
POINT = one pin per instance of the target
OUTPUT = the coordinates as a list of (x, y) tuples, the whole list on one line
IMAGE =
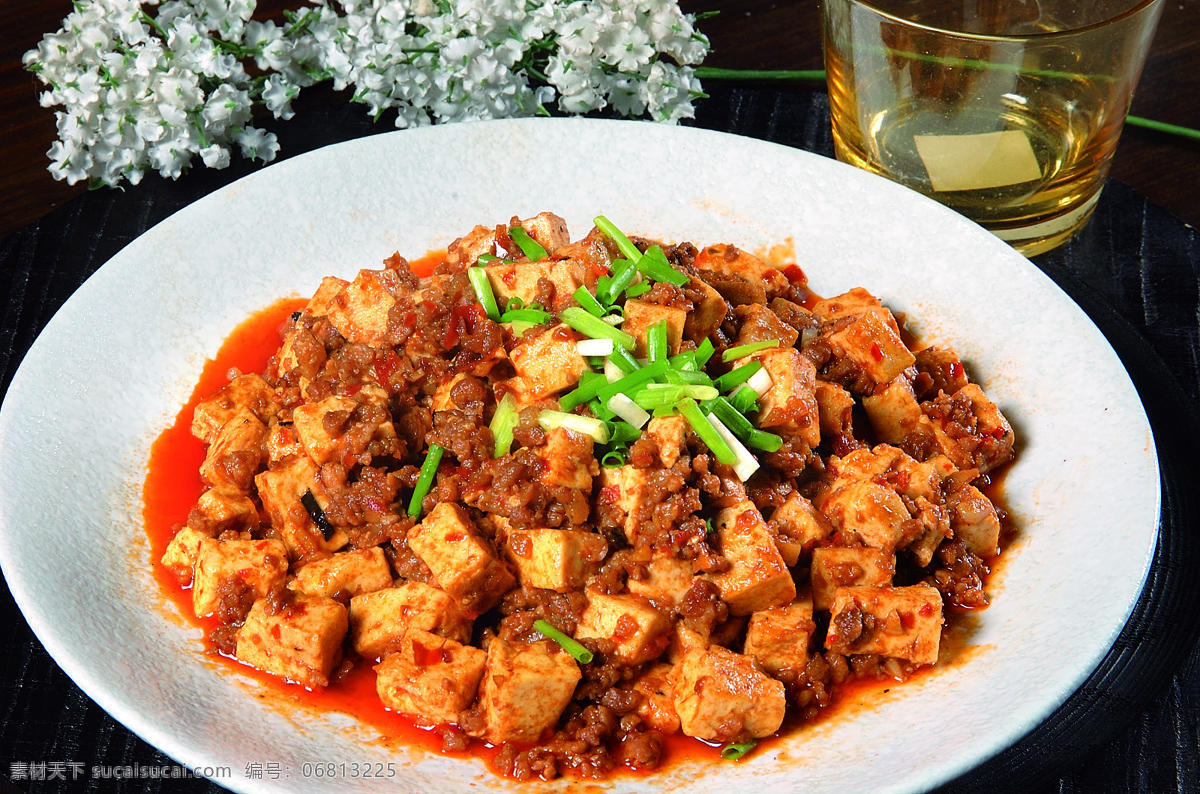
[(549, 230), (379, 619), (640, 315), (252, 566), (777, 639), (301, 643), (546, 362), (907, 622), (757, 577), (441, 398), (282, 443), (237, 452), (720, 696), (308, 421), (871, 512), (706, 315), (974, 521), (180, 555), (639, 631), (760, 324), (731, 260), (343, 575), (567, 460), (461, 559), (667, 581), (432, 679), (791, 402), (657, 689), (796, 525), (969, 429), (871, 342), (669, 432), (624, 488), (525, 689), (944, 369), (554, 559), (835, 409), (360, 310), (520, 280), (853, 303), (280, 490), (223, 507), (847, 566), (249, 392), (318, 304), (893, 410)]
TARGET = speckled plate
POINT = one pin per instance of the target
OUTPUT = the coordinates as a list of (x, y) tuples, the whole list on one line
[(75, 432)]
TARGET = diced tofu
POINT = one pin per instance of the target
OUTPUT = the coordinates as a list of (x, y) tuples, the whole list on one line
[(236, 454), (639, 631), (777, 639), (791, 402), (549, 230), (280, 490), (282, 443), (567, 460), (546, 362), (907, 622), (871, 342), (595, 252), (849, 304), (301, 643), (943, 367), (667, 581), (308, 421), (525, 689), (760, 324), (893, 410), (683, 640), (835, 407), (441, 398), (223, 507), (180, 555), (969, 429), (974, 521), (460, 558), (520, 280), (847, 566), (318, 304), (343, 575), (360, 310), (640, 315), (657, 689), (243, 566), (757, 577), (379, 619), (730, 260), (871, 512), (796, 525), (625, 488), (243, 392), (669, 433), (705, 316), (466, 250), (432, 679), (554, 559), (720, 696)]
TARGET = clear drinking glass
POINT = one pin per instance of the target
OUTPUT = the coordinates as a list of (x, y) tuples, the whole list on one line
[(1007, 111)]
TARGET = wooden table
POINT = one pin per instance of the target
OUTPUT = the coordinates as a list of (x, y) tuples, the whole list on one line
[(752, 34)]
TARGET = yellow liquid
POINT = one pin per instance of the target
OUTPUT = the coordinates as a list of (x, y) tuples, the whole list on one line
[(1056, 117)]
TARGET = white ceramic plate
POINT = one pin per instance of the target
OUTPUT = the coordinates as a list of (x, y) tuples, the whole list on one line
[(78, 420)]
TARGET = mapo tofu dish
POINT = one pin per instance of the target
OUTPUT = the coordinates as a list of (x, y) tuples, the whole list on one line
[(570, 497)]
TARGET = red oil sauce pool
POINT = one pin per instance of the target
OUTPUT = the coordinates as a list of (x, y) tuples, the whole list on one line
[(173, 485)]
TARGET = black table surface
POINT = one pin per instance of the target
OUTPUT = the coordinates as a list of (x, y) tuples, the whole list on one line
[(1134, 726)]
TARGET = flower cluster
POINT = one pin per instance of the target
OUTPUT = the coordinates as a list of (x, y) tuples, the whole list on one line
[(145, 93)]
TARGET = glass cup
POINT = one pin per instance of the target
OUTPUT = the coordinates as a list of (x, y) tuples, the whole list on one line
[(1007, 111)]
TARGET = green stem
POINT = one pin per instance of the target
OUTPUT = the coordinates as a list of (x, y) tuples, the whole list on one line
[(815, 75)]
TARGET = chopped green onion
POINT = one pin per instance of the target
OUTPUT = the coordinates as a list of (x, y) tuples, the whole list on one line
[(532, 316), (658, 394), (515, 302), (656, 341), (741, 427), (530, 247), (624, 434), (734, 751), (594, 327), (594, 347), (425, 479), (761, 382), (486, 258), (704, 352), (613, 459), (632, 382), (502, 424), (688, 376), (745, 350), (600, 410), (628, 410), (627, 247), (596, 429), (588, 302), (708, 434), (519, 327), (641, 288), (483, 291), (737, 376), (746, 464), (612, 371), (623, 359), (571, 646), (744, 400), (654, 264), (610, 287)]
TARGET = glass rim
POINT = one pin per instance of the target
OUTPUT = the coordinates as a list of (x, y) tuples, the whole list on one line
[(1133, 10)]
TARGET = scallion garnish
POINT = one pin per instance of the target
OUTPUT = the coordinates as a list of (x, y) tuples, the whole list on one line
[(530, 247), (596, 429), (656, 341), (588, 302), (737, 376), (688, 376), (610, 287), (744, 400), (623, 359), (595, 347), (734, 751), (708, 434), (627, 247), (425, 479), (656, 395), (761, 382), (744, 350), (632, 382), (640, 288), (627, 409), (741, 427), (745, 464), (531, 316), (502, 424), (483, 292), (568, 644), (595, 327), (654, 264)]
